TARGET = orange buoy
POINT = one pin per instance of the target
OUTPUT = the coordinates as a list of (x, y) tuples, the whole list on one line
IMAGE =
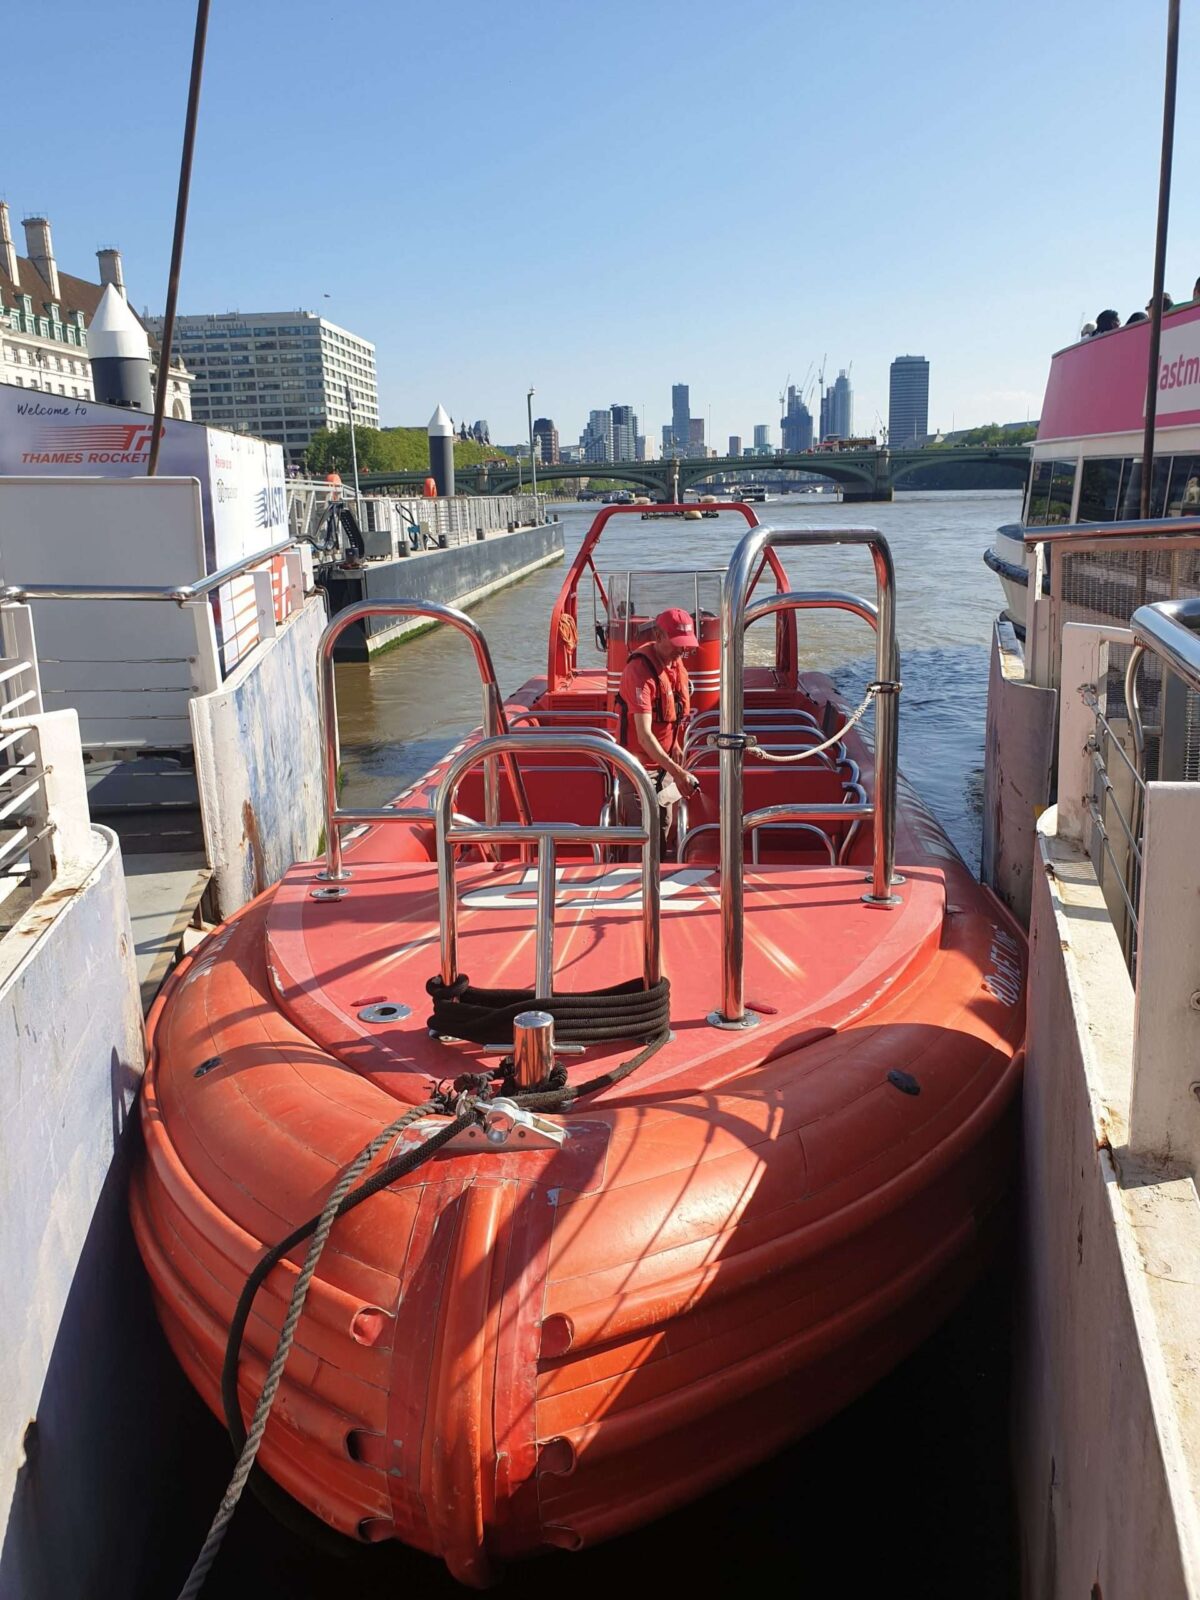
[(430, 490)]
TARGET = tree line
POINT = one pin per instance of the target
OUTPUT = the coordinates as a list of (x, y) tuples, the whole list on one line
[(386, 450)]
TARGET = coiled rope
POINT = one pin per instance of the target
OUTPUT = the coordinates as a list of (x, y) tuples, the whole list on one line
[(468, 1096), (806, 754), (593, 1016)]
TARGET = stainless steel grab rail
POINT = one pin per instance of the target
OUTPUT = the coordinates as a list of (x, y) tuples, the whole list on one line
[(814, 600), (735, 614), (1170, 630), (547, 836), (180, 593), (494, 723)]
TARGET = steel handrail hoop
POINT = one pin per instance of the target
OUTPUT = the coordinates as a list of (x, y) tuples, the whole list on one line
[(494, 722), (547, 835), (561, 658), (1170, 630), (180, 593), (735, 616)]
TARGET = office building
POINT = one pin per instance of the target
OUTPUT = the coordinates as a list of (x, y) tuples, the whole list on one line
[(837, 409), (695, 437), (596, 438), (668, 441), (797, 423), (762, 438), (44, 317), (645, 448), (280, 375), (545, 441), (908, 401), (624, 433), (735, 444), (680, 418)]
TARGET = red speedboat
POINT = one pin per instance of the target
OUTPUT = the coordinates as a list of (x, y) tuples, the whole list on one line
[(753, 1160)]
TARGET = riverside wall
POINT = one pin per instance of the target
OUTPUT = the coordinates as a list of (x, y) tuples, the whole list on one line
[(460, 576), (1106, 1449), (74, 1474)]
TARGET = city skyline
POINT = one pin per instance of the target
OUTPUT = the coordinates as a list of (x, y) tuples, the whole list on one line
[(962, 255)]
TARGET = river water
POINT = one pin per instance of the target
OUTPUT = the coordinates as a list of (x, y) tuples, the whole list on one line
[(402, 711), (907, 1490)]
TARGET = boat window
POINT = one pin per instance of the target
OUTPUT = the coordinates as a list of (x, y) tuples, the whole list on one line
[(1051, 486), (1183, 496), (1131, 487), (1100, 490)]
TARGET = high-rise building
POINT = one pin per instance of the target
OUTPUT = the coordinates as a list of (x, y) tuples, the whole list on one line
[(668, 441), (797, 424), (281, 375), (695, 437), (837, 409), (908, 401), (735, 444), (680, 418), (624, 433), (762, 437), (596, 438), (645, 447), (545, 441)]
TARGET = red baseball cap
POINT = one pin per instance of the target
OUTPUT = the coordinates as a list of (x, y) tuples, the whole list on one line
[(676, 623)]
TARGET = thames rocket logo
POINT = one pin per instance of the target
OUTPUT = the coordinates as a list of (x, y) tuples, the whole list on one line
[(90, 444)]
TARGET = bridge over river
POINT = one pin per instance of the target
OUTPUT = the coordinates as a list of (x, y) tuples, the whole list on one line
[(861, 474)]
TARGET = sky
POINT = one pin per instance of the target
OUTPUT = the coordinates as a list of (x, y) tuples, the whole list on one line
[(601, 201)]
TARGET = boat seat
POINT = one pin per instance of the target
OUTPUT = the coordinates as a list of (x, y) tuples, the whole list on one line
[(775, 786), (561, 786)]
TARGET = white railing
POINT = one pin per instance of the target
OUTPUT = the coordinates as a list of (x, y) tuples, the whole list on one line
[(1101, 788), (26, 849), (415, 523), (1125, 801), (129, 669)]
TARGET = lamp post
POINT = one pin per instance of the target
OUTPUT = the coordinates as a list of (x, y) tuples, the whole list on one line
[(532, 462), (353, 452)]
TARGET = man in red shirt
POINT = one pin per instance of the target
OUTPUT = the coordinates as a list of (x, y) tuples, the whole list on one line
[(654, 698)]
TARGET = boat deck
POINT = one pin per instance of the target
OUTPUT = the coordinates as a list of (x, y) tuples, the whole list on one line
[(816, 956)]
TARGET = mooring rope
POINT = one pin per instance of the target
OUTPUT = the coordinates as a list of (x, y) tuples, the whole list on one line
[(553, 1095)]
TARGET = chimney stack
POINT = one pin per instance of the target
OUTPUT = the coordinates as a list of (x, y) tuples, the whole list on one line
[(111, 270), (41, 252), (8, 250)]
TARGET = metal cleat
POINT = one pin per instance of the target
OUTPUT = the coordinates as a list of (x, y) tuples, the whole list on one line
[(505, 1126)]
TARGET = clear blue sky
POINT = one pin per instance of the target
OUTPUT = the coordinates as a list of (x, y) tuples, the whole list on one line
[(722, 194)]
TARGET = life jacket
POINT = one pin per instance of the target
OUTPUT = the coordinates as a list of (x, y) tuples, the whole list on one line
[(667, 704)]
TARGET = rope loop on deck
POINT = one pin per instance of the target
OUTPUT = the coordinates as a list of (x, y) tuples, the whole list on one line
[(485, 1016)]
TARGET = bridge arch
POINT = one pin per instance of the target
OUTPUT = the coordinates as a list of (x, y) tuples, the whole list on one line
[(854, 470)]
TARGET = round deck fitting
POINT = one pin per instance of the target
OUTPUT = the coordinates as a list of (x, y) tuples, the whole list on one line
[(385, 1011), (748, 1019)]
